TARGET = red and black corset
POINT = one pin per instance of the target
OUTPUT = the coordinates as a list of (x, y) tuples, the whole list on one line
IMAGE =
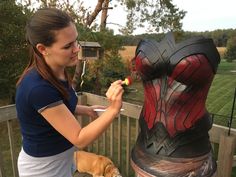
[(176, 79)]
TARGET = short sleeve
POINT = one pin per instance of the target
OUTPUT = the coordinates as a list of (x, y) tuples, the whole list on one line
[(44, 96)]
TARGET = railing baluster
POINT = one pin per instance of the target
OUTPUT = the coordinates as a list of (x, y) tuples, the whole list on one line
[(90, 147), (111, 140), (97, 145), (12, 148), (104, 143), (128, 146), (119, 142), (136, 129)]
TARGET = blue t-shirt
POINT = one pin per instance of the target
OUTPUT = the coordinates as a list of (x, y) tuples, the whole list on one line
[(33, 95)]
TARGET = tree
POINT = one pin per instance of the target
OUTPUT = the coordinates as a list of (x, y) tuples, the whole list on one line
[(231, 49), (13, 50), (160, 15)]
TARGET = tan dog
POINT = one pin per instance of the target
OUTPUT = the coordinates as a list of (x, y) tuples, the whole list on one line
[(95, 165)]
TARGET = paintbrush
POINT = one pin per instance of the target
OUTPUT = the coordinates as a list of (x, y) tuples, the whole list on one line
[(127, 81)]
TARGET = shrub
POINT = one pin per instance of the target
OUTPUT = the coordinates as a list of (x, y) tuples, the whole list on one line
[(231, 49)]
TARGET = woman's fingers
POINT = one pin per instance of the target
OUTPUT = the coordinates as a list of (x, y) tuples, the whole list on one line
[(98, 107), (119, 82), (115, 90)]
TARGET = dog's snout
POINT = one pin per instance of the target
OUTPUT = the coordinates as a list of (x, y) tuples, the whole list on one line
[(117, 174)]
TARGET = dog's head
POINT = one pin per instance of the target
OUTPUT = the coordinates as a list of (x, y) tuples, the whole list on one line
[(111, 171)]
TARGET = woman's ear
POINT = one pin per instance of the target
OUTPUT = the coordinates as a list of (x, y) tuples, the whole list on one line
[(42, 49)]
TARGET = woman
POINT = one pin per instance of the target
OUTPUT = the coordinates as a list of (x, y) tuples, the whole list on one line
[(46, 102)]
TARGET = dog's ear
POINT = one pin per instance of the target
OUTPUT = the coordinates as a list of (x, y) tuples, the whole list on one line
[(111, 171), (108, 170)]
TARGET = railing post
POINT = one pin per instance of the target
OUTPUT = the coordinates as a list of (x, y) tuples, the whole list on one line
[(225, 155)]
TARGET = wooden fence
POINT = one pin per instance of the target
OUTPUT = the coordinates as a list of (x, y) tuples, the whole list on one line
[(116, 143)]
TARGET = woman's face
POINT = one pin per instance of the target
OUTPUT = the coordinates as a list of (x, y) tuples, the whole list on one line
[(64, 51)]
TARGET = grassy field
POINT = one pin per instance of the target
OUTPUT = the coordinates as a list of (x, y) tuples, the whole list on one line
[(220, 98)]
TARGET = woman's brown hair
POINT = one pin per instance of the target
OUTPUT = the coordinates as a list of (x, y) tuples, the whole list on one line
[(41, 29)]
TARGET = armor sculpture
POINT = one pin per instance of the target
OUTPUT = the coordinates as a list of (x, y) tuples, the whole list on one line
[(174, 122)]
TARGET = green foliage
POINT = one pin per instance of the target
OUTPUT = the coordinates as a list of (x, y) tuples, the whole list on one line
[(160, 15), (231, 49), (109, 67), (76, 9), (113, 69), (108, 41), (102, 72), (13, 53)]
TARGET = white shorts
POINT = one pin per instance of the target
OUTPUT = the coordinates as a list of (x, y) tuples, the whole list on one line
[(60, 165)]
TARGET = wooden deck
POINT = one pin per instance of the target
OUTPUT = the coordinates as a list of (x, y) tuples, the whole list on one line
[(117, 142)]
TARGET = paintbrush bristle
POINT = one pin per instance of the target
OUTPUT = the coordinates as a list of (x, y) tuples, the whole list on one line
[(127, 81)]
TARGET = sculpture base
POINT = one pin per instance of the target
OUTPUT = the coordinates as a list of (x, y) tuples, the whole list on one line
[(141, 173), (147, 165)]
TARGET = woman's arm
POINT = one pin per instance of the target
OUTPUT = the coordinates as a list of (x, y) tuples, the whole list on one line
[(66, 124)]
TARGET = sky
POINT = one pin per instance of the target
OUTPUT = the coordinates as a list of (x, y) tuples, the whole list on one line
[(202, 15)]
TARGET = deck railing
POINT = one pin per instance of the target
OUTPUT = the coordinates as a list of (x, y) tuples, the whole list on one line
[(116, 143)]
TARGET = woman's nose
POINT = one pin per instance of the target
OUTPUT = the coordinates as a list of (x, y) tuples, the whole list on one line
[(76, 48)]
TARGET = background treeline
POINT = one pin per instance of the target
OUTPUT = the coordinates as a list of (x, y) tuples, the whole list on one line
[(220, 37)]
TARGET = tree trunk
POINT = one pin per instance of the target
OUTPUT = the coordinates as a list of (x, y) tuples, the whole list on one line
[(94, 14), (104, 15)]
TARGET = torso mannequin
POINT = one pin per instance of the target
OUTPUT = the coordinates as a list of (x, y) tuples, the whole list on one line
[(174, 121)]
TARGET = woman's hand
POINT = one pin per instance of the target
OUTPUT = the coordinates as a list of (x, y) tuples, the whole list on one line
[(88, 110), (93, 114), (114, 95)]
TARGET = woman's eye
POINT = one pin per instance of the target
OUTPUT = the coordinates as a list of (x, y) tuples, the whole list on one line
[(75, 43), (67, 47)]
